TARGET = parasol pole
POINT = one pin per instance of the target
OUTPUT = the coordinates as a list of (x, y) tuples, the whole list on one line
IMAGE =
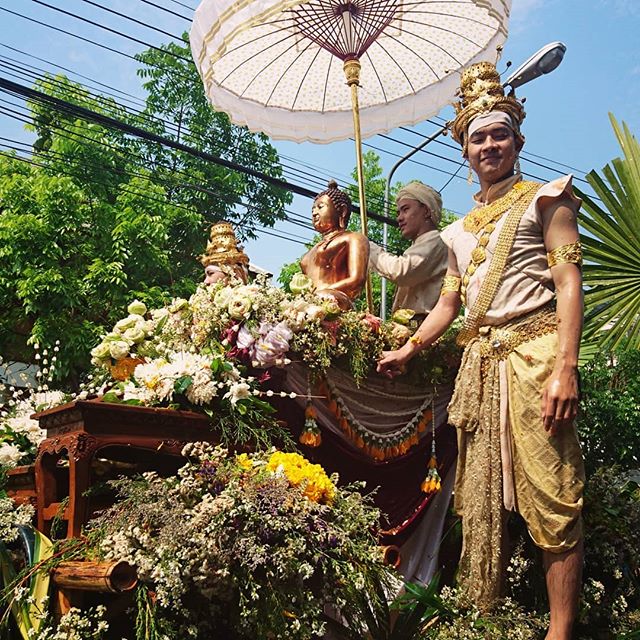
[(352, 73)]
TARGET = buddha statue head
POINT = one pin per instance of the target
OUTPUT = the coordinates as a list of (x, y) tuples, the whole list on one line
[(331, 210), (224, 260)]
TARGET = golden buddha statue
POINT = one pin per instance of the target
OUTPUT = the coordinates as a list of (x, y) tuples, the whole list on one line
[(337, 265), (224, 260)]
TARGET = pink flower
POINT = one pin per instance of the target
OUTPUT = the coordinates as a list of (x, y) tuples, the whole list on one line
[(245, 339), (272, 345)]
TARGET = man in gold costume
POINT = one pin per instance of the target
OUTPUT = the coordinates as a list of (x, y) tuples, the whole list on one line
[(418, 272), (224, 260), (514, 262), (337, 265)]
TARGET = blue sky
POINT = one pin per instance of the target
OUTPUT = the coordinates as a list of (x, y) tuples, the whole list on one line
[(566, 122)]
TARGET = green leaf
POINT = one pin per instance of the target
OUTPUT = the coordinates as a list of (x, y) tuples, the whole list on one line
[(182, 384), (612, 248)]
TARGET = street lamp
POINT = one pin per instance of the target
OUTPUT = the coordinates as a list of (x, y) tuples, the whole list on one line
[(541, 62)]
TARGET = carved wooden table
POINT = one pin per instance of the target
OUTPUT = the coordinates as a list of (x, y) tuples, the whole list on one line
[(79, 430)]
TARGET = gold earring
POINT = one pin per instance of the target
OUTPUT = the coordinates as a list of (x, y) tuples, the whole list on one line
[(470, 176)]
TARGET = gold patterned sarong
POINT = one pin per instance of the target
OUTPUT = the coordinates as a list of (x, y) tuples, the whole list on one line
[(550, 505)]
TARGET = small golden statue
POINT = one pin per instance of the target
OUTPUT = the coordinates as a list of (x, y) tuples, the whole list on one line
[(224, 260), (337, 265)]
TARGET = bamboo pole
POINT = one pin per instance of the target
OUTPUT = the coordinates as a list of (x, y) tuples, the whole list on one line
[(113, 577), (352, 72), (391, 555)]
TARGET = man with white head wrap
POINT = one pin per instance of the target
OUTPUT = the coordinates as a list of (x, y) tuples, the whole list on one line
[(514, 262), (418, 272)]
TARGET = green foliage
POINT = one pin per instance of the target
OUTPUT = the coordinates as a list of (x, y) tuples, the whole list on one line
[(609, 422), (612, 247), (102, 218), (610, 604)]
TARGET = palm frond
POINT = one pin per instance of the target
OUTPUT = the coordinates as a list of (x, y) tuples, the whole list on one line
[(611, 242)]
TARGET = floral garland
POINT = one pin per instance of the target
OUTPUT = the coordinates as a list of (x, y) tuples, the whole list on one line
[(254, 326)]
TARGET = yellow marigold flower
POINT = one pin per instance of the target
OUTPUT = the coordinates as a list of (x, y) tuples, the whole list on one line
[(300, 472), (244, 461)]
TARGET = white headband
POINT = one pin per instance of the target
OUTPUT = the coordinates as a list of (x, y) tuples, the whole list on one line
[(493, 117)]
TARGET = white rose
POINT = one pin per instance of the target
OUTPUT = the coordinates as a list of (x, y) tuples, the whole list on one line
[(119, 349), (239, 306), (315, 312), (126, 323), (101, 352), (134, 335), (222, 297), (137, 307), (178, 305)]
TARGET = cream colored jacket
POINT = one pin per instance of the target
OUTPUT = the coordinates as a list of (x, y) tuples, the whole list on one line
[(417, 273)]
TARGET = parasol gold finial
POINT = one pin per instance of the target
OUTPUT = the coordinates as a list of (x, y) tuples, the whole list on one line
[(480, 92), (223, 247), (351, 69)]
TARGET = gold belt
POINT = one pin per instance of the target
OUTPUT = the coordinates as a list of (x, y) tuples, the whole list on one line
[(498, 342)]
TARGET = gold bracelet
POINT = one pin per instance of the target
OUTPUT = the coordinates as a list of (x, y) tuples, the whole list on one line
[(450, 284), (566, 254), (415, 340)]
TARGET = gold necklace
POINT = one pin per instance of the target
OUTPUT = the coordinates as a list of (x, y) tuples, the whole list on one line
[(486, 225), (476, 219)]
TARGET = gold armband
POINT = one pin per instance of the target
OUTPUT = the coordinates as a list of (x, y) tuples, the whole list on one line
[(566, 254), (450, 284)]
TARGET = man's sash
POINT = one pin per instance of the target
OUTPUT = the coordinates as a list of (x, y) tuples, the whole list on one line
[(493, 278)]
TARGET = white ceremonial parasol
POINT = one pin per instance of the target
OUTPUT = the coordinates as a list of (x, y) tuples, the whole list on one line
[(279, 66)]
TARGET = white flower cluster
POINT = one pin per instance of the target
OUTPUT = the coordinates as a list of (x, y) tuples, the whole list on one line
[(298, 312), (11, 517), (76, 625), (157, 380), (130, 331), (19, 434)]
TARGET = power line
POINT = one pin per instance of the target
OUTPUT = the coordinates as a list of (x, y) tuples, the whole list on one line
[(296, 172), (69, 33), (182, 5), (131, 19), (263, 229), (179, 15), (110, 30), (58, 66), (73, 136), (88, 114)]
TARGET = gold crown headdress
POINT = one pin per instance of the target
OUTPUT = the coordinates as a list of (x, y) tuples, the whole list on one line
[(223, 247), (480, 93)]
